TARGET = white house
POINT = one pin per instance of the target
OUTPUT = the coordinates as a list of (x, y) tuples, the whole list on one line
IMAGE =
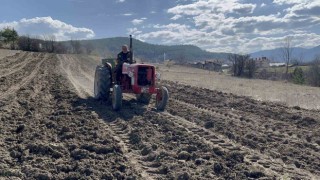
[(277, 64)]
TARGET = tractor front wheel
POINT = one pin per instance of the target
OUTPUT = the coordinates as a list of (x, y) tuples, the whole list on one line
[(102, 82), (116, 98), (162, 98)]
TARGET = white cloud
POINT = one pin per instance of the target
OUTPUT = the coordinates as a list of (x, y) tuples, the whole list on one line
[(138, 21), (213, 6), (120, 1), (237, 26), (281, 2), (176, 17), (127, 14), (133, 31), (40, 26)]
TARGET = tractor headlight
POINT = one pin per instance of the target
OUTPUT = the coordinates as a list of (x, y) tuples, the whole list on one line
[(158, 76), (130, 74)]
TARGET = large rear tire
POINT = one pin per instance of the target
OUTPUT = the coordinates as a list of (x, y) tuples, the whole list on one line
[(162, 98), (116, 98), (102, 82), (144, 98)]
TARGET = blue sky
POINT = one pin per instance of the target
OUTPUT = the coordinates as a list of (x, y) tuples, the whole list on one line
[(240, 26)]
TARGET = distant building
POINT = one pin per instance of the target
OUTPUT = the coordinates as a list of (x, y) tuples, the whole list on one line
[(225, 66), (213, 65), (277, 64), (262, 62)]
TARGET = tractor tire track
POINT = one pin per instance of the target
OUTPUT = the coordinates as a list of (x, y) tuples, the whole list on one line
[(122, 136), (17, 58), (34, 68), (19, 67), (7, 54), (76, 75), (73, 71)]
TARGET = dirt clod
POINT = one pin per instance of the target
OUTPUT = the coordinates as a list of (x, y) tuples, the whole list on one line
[(217, 167), (145, 151), (184, 155), (134, 137), (20, 128), (79, 154), (183, 176), (209, 124)]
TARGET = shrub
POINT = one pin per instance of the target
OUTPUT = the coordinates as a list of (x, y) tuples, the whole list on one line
[(298, 76), (313, 73)]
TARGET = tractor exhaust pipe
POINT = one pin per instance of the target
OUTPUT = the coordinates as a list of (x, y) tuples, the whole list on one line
[(131, 50)]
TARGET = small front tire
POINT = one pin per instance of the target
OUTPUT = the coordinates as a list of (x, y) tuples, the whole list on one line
[(162, 98), (116, 98)]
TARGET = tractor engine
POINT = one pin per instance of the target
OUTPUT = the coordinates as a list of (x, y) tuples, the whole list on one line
[(139, 78)]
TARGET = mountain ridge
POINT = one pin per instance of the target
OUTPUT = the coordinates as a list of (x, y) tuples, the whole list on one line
[(109, 47), (154, 52), (298, 53)]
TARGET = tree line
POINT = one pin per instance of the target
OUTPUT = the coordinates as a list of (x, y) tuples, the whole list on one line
[(9, 38), (244, 66)]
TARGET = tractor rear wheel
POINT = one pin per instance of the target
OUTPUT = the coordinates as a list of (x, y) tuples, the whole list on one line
[(144, 98), (162, 98), (102, 82), (116, 98)]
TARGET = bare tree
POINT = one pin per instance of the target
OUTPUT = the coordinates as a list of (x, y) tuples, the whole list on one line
[(313, 74), (238, 63), (232, 58), (76, 46), (181, 58), (52, 42), (250, 67), (88, 47), (60, 48), (24, 43), (286, 52)]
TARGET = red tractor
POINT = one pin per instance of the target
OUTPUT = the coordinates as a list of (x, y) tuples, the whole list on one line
[(138, 79)]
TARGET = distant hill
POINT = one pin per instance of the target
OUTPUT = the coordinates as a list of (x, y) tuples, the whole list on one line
[(303, 54), (152, 52)]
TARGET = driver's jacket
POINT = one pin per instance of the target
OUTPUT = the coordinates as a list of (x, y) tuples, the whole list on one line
[(123, 57)]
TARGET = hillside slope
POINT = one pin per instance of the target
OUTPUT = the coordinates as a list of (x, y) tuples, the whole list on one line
[(152, 52)]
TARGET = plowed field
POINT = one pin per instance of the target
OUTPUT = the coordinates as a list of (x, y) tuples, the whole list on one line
[(52, 128)]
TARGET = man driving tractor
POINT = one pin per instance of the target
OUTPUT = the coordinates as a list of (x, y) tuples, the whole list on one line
[(122, 57), (127, 76)]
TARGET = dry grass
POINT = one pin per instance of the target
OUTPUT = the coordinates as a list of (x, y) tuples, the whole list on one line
[(265, 90)]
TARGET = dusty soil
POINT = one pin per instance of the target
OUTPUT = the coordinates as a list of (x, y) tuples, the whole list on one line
[(52, 128), (5, 52)]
